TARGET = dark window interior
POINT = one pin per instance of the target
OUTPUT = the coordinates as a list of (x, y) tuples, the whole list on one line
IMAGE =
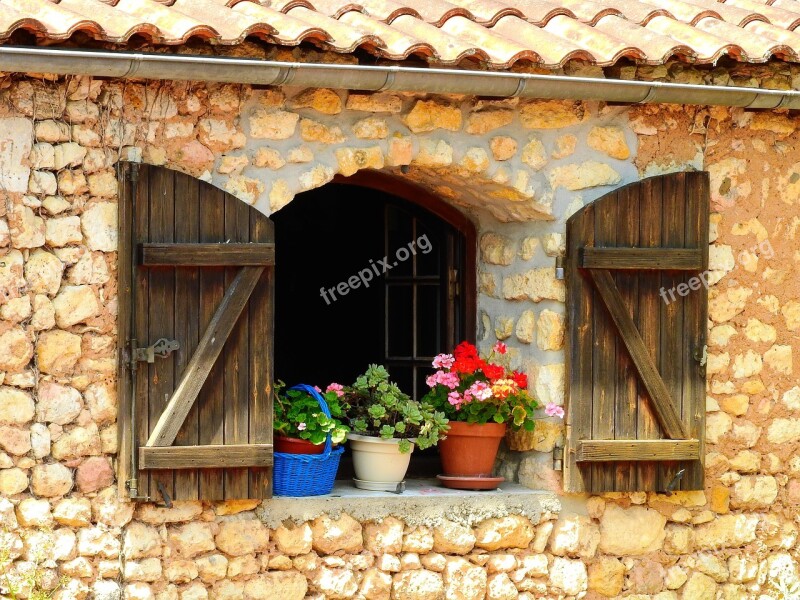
[(404, 317)]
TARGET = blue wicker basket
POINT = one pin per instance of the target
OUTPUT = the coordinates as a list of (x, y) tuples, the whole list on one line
[(306, 474)]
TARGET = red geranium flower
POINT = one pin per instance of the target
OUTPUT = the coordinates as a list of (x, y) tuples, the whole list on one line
[(521, 379), (493, 371)]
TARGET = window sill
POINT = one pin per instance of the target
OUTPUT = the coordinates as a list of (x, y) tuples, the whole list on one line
[(423, 503)]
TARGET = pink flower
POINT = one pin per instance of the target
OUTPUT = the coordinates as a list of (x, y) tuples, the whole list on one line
[(336, 387), (444, 378), (450, 380), (500, 348), (443, 361), (316, 387), (480, 390), (554, 410), (301, 427), (455, 399)]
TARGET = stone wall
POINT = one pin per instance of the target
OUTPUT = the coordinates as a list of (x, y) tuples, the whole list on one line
[(519, 169)]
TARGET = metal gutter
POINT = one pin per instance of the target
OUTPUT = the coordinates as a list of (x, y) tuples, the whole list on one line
[(500, 84)]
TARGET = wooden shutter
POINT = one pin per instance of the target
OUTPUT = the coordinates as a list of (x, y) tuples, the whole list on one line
[(197, 270), (635, 361)]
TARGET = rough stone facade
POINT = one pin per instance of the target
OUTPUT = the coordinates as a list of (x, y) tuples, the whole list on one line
[(519, 169)]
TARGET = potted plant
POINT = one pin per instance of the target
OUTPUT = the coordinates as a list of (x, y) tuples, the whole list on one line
[(299, 424), (315, 421), (480, 398), (386, 425)]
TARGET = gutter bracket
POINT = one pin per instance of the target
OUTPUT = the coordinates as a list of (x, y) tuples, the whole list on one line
[(136, 60), (521, 85), (389, 81), (651, 92)]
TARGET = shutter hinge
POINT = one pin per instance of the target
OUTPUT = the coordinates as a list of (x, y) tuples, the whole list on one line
[(701, 355), (133, 172), (559, 267), (161, 349), (558, 458), (132, 485)]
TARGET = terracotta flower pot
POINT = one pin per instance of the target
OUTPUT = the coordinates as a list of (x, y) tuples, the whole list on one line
[(290, 445), (469, 449)]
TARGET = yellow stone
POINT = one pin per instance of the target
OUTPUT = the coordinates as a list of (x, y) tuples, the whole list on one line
[(720, 499), (434, 153), (779, 358), (503, 147), (768, 121), (428, 115), (401, 152), (321, 100), (352, 160), (475, 160), (380, 102), (313, 131), (565, 146), (757, 331), (371, 128), (585, 175), (791, 314), (534, 155), (482, 122), (279, 195), (550, 331), (610, 141), (552, 114), (606, 576), (736, 405)]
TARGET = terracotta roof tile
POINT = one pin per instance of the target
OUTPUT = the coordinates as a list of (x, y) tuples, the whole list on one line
[(499, 33)]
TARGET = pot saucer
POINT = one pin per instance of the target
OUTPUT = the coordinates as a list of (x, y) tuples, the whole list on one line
[(380, 486), (470, 482)]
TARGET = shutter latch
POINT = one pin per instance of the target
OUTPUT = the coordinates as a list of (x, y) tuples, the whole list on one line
[(675, 481), (161, 349)]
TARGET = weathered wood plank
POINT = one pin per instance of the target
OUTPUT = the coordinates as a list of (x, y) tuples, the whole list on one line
[(236, 457), (648, 323), (607, 222), (124, 311), (695, 319), (673, 348), (161, 373), (141, 307), (206, 254), (211, 400), (260, 366), (626, 405), (675, 259), (207, 352), (578, 351), (637, 450), (235, 359), (187, 321), (663, 403)]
